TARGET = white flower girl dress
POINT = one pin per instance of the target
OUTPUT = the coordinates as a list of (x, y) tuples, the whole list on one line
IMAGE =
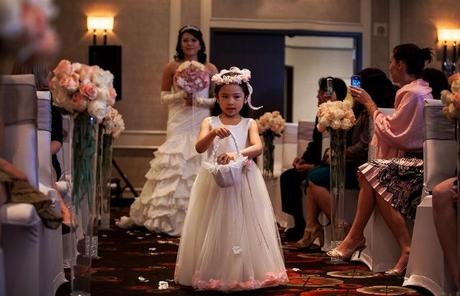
[(230, 239)]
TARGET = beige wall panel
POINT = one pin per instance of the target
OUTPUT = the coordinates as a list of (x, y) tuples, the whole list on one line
[(420, 20), (379, 45), (143, 31), (311, 10), (190, 12)]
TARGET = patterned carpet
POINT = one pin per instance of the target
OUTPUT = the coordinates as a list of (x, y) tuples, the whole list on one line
[(133, 262)]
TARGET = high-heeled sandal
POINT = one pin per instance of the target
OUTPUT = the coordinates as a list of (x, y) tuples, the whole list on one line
[(309, 237), (396, 271), (346, 256)]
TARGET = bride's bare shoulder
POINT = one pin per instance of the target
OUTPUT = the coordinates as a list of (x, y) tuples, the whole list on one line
[(211, 68), (171, 67)]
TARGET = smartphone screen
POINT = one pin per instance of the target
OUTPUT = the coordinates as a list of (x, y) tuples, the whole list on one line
[(330, 88), (356, 80)]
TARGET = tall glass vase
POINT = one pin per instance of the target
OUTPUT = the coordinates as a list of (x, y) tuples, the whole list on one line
[(268, 151), (337, 185), (104, 175), (84, 166)]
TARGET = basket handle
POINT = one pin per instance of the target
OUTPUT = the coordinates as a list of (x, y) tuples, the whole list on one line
[(216, 146)]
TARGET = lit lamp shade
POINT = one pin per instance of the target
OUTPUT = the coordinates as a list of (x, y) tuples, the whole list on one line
[(100, 23), (449, 34)]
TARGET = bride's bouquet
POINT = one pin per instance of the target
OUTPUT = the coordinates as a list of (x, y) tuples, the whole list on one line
[(335, 115), (191, 77)]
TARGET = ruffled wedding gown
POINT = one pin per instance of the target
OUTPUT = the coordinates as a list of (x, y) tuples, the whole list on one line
[(230, 240), (163, 202)]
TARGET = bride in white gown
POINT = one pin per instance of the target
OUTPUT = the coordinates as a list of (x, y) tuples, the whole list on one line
[(163, 202)]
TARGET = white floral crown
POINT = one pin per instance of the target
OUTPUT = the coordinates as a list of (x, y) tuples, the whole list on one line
[(238, 77)]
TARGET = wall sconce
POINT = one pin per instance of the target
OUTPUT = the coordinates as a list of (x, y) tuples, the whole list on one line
[(100, 23), (449, 36)]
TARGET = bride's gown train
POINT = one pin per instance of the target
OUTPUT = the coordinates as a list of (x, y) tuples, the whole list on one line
[(163, 202)]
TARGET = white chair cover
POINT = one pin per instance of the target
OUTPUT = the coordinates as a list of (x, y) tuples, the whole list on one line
[(21, 227), (426, 266), (51, 259)]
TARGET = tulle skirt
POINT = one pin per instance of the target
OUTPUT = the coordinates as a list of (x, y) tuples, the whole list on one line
[(230, 240)]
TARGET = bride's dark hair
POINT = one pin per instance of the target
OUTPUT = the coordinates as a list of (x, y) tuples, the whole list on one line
[(195, 32)]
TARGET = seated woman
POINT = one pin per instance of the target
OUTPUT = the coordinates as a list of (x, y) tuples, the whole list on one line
[(394, 181), (379, 87), (291, 180), (445, 198)]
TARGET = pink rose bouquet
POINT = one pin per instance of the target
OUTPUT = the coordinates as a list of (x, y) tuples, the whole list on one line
[(191, 77), (113, 123), (78, 88)]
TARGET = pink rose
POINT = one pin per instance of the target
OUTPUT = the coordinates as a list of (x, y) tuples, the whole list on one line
[(89, 90), (64, 68), (69, 82), (79, 102), (112, 96), (85, 73)]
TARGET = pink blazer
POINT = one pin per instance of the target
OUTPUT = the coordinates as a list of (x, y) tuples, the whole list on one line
[(403, 130)]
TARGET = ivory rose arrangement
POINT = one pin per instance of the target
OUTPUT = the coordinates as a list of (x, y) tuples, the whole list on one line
[(451, 99), (113, 123), (271, 122), (270, 125), (191, 77), (335, 115), (78, 88)]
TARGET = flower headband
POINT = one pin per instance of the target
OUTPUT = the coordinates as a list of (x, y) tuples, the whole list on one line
[(189, 27), (240, 76)]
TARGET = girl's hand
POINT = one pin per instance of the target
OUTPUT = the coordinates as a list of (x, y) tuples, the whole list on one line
[(225, 158), (221, 132)]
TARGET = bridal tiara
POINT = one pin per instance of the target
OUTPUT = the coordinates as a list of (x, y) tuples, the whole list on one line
[(189, 27), (238, 77)]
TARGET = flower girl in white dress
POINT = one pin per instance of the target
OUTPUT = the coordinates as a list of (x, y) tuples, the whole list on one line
[(230, 240)]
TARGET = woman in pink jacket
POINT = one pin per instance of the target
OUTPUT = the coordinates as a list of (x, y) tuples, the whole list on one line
[(393, 181)]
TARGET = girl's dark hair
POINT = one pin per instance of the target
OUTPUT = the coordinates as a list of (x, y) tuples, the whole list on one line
[(413, 56), (41, 73), (376, 83), (339, 86), (245, 111), (437, 81), (195, 32)]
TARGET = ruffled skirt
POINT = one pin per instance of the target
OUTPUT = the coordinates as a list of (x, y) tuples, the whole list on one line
[(163, 202), (399, 181), (230, 240)]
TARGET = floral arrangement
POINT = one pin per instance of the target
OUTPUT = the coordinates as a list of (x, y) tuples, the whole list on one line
[(113, 123), (86, 92), (271, 122), (270, 125), (335, 115), (78, 88), (191, 77), (451, 99)]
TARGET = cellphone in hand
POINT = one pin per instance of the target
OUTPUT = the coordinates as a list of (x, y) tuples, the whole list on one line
[(329, 87), (356, 80)]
